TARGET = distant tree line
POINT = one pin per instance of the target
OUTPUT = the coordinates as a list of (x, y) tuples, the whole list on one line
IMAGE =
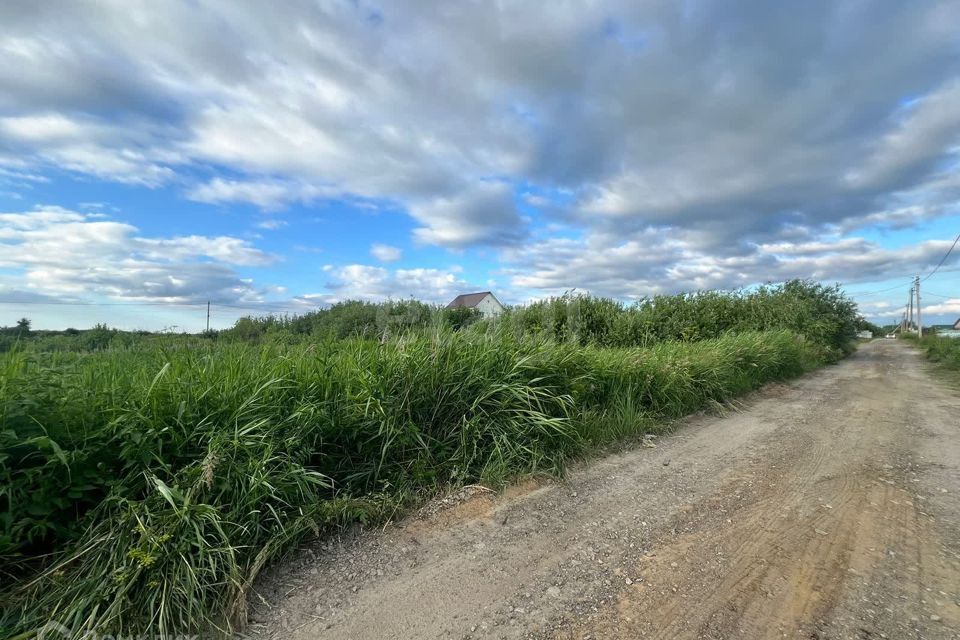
[(821, 312)]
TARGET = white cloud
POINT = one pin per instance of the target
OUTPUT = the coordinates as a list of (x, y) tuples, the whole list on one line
[(358, 281), (916, 141), (385, 253), (272, 224), (654, 113), (666, 262), (41, 128), (15, 175), (937, 307), (61, 252), (682, 144), (266, 194), (484, 214), (92, 147), (939, 312), (225, 249)]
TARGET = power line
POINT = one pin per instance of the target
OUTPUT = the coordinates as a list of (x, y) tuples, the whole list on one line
[(926, 277), (896, 286), (944, 258)]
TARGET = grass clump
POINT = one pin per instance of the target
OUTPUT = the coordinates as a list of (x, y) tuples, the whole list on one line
[(944, 351)]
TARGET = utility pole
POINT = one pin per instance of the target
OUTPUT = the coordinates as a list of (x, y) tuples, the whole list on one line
[(919, 318), (208, 316), (910, 311)]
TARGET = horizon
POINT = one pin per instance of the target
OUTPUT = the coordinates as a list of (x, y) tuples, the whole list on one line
[(177, 330), (279, 159)]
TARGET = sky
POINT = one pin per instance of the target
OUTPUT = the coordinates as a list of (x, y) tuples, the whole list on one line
[(277, 157)]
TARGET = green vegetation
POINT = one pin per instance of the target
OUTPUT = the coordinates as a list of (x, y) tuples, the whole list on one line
[(98, 338), (818, 312), (944, 351), (145, 483), (864, 325)]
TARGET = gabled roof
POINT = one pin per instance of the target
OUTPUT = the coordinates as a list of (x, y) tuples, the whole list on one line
[(468, 300), (956, 325)]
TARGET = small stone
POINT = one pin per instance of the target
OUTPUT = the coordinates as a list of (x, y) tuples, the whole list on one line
[(935, 618), (628, 581), (553, 592), (666, 463)]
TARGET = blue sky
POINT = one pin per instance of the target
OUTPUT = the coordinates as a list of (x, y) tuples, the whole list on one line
[(157, 155)]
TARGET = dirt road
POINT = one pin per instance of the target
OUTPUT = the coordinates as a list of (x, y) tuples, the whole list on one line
[(825, 508)]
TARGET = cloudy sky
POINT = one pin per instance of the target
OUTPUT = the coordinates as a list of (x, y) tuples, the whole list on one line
[(156, 155)]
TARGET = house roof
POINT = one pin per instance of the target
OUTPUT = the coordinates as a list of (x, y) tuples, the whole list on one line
[(468, 300), (956, 325)]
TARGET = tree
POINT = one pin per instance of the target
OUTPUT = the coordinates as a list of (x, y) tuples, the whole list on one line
[(23, 326), (865, 325)]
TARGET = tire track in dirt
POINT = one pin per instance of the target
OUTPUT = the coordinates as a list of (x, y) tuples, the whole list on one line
[(780, 566)]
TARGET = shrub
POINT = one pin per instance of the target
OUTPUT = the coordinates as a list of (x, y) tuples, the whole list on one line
[(460, 318)]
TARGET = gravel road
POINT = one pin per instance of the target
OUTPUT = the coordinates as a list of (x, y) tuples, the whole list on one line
[(828, 507)]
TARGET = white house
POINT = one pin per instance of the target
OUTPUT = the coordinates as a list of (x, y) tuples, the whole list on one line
[(483, 301)]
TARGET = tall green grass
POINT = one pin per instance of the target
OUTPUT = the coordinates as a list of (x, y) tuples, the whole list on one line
[(942, 350), (153, 485), (821, 313), (145, 480)]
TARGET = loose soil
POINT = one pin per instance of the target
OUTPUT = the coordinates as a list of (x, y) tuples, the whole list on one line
[(828, 507)]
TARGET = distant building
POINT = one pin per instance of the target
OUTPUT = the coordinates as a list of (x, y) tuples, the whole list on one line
[(865, 335), (483, 301), (956, 325)]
